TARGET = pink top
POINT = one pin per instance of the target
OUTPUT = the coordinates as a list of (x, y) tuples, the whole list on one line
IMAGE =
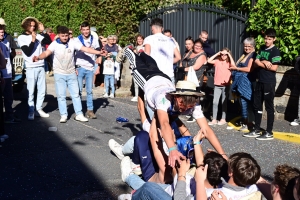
[(222, 73)]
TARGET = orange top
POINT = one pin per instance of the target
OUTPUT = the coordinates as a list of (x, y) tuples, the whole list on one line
[(222, 73)]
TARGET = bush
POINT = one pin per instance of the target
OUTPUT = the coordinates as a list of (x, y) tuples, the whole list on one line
[(283, 16)]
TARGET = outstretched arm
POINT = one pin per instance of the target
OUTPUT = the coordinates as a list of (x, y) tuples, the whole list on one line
[(166, 133), (42, 56), (93, 51), (159, 154)]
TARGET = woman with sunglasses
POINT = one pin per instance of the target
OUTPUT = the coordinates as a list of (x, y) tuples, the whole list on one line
[(221, 81), (242, 86)]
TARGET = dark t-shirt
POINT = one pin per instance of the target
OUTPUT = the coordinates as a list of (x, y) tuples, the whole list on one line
[(109, 49), (272, 55), (11, 41)]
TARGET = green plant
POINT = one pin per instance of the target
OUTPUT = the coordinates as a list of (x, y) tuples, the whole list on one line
[(283, 16)]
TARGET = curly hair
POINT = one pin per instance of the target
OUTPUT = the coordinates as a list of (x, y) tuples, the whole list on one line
[(285, 177), (217, 168), (27, 23)]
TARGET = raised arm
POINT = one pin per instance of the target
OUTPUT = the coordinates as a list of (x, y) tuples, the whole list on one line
[(232, 63), (199, 155), (211, 60), (210, 136)]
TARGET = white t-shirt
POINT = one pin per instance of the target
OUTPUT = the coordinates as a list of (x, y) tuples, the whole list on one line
[(156, 90), (162, 51), (87, 60), (25, 40), (234, 194), (109, 67), (5, 47), (63, 57)]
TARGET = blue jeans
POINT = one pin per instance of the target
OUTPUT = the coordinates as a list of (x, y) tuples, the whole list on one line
[(62, 82), (151, 191), (36, 77), (8, 98), (109, 80), (88, 75)]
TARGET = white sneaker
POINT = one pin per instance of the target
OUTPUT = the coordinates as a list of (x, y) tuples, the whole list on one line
[(134, 99), (116, 148), (126, 167), (41, 113), (112, 96), (295, 122), (31, 116), (81, 118), (124, 197), (105, 95), (136, 168), (63, 119)]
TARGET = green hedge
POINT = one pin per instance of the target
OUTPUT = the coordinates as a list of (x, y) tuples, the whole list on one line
[(284, 17), (120, 17)]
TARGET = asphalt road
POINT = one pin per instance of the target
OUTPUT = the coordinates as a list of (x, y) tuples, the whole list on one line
[(75, 162)]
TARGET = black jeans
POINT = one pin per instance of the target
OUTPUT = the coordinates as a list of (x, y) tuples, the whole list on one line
[(264, 92), (1, 114)]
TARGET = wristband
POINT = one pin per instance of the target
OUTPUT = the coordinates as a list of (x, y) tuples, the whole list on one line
[(172, 148), (198, 142)]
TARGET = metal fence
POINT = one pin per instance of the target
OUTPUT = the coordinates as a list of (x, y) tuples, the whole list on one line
[(225, 28)]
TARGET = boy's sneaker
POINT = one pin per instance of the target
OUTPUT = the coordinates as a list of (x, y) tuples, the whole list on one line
[(31, 116), (252, 134), (295, 122), (116, 148), (112, 96), (265, 136), (91, 114), (126, 168), (124, 197), (191, 120), (188, 116), (81, 118), (63, 119), (41, 113), (136, 168), (134, 99), (105, 95)]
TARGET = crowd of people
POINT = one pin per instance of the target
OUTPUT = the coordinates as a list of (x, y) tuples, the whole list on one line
[(172, 164), (164, 160)]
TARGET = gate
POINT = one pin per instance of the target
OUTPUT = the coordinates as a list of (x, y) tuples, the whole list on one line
[(225, 28)]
